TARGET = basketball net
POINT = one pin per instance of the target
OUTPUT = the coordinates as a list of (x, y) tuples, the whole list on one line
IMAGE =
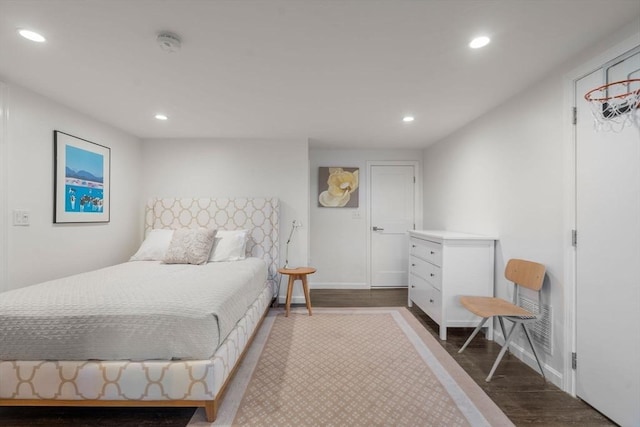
[(615, 105)]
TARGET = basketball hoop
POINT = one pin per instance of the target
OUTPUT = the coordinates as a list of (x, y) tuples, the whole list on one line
[(614, 105)]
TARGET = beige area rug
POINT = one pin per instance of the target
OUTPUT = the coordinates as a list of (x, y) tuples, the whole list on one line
[(351, 367)]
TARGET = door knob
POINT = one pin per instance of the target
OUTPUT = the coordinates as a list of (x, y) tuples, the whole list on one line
[(377, 228)]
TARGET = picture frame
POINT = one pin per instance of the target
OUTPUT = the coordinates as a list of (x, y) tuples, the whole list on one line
[(82, 177), (338, 187)]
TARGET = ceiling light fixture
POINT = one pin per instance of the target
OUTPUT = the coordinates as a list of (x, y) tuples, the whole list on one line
[(408, 119), (479, 42), (161, 117), (31, 35)]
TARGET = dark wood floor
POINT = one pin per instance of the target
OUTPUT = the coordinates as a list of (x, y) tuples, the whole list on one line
[(517, 389)]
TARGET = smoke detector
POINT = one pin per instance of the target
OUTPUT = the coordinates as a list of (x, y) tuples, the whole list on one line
[(169, 42)]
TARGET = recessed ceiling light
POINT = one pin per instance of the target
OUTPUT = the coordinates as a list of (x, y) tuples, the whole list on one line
[(32, 35), (161, 117), (479, 42), (408, 118)]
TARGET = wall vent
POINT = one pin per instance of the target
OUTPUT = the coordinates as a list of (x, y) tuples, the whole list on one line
[(541, 330)]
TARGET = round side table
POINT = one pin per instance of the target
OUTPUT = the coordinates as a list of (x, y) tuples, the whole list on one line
[(294, 274)]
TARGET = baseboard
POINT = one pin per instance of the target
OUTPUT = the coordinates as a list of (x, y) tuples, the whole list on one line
[(294, 300), (337, 285), (527, 357), (299, 299)]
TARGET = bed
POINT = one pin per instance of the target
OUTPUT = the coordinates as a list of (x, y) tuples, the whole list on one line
[(180, 371)]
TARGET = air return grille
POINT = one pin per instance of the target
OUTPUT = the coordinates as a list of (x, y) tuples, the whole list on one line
[(540, 330)]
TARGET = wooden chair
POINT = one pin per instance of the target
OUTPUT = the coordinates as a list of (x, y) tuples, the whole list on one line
[(522, 273)]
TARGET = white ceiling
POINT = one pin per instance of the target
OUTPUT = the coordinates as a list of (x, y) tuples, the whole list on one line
[(341, 73)]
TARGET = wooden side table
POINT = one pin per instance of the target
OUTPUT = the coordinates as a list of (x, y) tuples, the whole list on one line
[(294, 274)]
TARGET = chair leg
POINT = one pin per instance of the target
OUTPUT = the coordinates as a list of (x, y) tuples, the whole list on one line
[(504, 331), (526, 332), (505, 347), (474, 333)]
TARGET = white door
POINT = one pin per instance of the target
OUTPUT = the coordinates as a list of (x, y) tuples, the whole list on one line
[(392, 211), (608, 257)]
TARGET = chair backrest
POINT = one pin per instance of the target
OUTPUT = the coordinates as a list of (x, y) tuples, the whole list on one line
[(525, 273)]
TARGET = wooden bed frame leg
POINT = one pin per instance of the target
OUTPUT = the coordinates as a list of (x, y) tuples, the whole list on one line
[(211, 409)]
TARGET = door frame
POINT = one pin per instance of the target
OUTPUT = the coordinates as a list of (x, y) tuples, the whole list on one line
[(570, 183), (417, 200)]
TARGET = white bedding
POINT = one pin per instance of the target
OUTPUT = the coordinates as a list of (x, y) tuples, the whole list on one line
[(133, 311)]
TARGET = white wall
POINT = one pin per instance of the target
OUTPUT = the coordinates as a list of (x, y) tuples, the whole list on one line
[(236, 167), (4, 162), (509, 174), (43, 250), (503, 176), (338, 241)]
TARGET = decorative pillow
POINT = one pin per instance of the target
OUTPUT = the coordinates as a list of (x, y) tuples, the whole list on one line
[(190, 246), (229, 245), (154, 246)]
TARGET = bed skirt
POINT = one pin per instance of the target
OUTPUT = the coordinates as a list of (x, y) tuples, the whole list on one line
[(128, 383)]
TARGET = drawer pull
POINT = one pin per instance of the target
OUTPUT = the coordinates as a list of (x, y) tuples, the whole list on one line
[(431, 300), (413, 265), (413, 246), (431, 252), (413, 286), (431, 274)]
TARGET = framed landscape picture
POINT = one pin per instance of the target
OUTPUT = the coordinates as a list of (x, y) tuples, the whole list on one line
[(82, 175)]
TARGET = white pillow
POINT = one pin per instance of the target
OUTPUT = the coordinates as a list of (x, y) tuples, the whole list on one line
[(190, 246), (229, 245), (154, 246)]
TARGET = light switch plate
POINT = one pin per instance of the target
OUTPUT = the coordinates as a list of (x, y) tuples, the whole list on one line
[(21, 217)]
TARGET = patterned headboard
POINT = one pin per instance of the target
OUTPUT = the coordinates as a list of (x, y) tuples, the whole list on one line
[(259, 215)]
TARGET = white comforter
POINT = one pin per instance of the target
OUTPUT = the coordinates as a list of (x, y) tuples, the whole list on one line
[(136, 310)]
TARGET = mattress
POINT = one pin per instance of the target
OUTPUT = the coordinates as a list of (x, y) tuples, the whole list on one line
[(141, 310)]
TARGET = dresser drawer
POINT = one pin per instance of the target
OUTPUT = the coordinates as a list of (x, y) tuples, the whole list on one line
[(427, 250), (419, 290), (426, 270), (434, 305), (425, 296)]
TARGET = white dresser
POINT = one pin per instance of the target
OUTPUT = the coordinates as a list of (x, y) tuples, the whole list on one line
[(444, 265)]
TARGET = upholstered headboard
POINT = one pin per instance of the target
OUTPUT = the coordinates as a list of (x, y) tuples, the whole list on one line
[(259, 215)]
